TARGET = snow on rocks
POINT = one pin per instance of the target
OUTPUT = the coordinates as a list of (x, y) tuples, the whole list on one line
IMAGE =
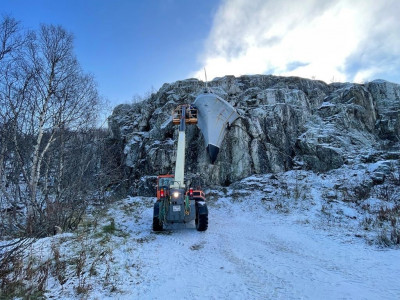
[(285, 122)]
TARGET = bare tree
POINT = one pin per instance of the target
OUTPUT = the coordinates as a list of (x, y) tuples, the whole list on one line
[(54, 162), (63, 99), (12, 42), (47, 101)]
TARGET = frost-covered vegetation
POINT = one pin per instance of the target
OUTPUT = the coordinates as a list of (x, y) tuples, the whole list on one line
[(54, 161), (286, 235)]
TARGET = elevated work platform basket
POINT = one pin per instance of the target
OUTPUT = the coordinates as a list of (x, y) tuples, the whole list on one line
[(190, 114)]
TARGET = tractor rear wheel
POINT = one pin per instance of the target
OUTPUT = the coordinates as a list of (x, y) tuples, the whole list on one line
[(201, 222), (157, 225)]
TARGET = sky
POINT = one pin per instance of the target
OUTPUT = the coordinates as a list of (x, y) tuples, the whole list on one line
[(133, 47)]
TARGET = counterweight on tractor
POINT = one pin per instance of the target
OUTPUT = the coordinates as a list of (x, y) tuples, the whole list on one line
[(175, 202)]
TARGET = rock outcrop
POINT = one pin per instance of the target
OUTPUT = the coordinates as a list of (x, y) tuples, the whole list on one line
[(284, 123)]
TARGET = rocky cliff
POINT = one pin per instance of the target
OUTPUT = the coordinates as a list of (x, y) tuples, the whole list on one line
[(285, 123)]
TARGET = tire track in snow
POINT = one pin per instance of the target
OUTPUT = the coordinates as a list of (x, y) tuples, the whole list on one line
[(250, 265), (180, 265)]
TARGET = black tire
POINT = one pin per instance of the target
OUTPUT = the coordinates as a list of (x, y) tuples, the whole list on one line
[(157, 225), (201, 222)]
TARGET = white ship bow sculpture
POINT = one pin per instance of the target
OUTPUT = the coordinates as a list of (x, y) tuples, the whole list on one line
[(215, 116)]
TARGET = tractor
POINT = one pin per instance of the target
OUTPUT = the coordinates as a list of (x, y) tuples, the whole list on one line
[(175, 202)]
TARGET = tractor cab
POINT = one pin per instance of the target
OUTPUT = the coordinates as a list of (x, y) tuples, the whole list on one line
[(163, 185)]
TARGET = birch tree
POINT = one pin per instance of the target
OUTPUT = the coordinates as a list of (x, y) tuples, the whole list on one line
[(47, 101), (62, 98), (12, 84)]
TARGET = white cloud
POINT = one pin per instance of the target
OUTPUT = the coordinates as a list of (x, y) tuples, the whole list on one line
[(308, 38)]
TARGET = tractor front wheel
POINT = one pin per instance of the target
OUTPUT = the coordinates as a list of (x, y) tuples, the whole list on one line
[(201, 222), (157, 225)]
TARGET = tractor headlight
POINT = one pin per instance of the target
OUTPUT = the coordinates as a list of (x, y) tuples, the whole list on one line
[(175, 194)]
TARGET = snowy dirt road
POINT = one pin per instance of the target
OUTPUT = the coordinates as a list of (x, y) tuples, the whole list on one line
[(249, 253)]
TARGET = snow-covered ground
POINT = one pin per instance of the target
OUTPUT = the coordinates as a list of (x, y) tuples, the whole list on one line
[(254, 248), (250, 254)]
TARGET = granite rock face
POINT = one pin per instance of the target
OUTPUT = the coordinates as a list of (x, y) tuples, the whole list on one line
[(284, 123)]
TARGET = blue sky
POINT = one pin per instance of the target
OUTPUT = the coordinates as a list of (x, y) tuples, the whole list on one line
[(134, 46), (130, 46)]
